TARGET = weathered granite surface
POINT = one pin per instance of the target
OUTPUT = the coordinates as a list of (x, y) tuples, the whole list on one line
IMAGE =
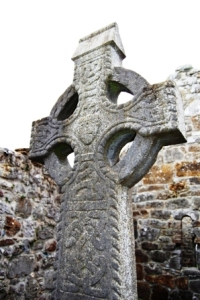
[(95, 254)]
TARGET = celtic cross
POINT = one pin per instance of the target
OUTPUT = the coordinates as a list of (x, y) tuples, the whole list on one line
[(95, 254)]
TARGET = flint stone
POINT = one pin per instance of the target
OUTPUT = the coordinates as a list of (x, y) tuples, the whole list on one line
[(153, 269), (161, 214), (196, 231), (45, 233), (152, 204), (5, 184), (150, 234), (175, 260), (12, 226), (177, 203), (50, 246), (153, 223), (6, 242), (39, 212), (8, 251), (53, 213), (149, 246), (164, 239), (18, 288), (158, 256), (48, 261), (18, 249), (24, 207), (5, 209), (49, 280), (169, 247), (21, 266), (4, 285), (29, 229), (9, 172), (31, 288), (144, 197), (192, 273)]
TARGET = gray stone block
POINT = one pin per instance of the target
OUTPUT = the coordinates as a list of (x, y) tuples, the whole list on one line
[(21, 266)]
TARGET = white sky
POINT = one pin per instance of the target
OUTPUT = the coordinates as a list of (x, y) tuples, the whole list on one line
[(39, 37)]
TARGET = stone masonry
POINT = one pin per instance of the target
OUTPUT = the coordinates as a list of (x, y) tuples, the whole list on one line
[(166, 209), (29, 211)]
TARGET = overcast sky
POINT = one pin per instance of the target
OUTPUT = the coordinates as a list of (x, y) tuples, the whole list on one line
[(39, 37)]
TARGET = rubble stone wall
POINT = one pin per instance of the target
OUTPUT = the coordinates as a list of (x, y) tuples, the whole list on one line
[(29, 210), (166, 209)]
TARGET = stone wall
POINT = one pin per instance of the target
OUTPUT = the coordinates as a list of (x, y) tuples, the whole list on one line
[(166, 209), (29, 210)]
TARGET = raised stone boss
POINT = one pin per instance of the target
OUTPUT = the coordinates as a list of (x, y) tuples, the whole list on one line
[(95, 254)]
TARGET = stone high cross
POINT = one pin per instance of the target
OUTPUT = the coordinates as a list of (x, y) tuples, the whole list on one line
[(95, 254)]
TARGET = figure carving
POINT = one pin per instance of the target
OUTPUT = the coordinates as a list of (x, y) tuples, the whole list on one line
[(95, 255)]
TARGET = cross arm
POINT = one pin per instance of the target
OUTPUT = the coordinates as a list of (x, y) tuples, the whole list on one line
[(164, 127), (48, 131), (42, 133)]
